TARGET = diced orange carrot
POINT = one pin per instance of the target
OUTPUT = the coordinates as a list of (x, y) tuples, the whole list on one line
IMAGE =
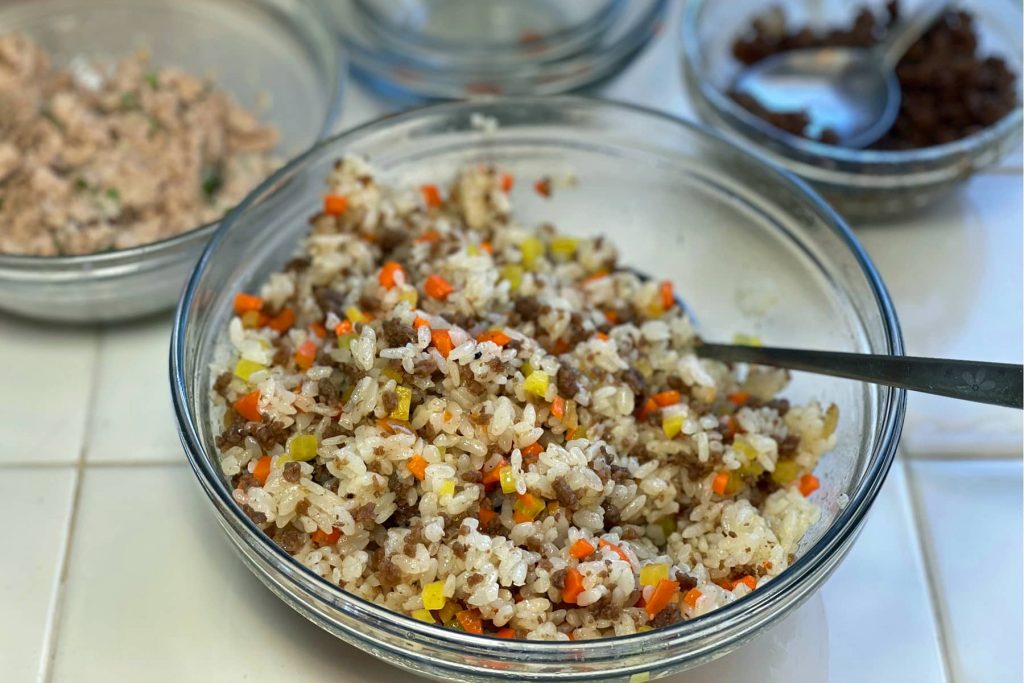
[(318, 329), (283, 321), (649, 407), (532, 452), (247, 302), (442, 342), (543, 187), (581, 548), (593, 277), (431, 195), (748, 581), (418, 466), (437, 287), (387, 274), (668, 298), (496, 336), (808, 484), (470, 621), (662, 595), (573, 586), (321, 538), (527, 508), (343, 328), (726, 584), (506, 633), (335, 204), (420, 322), (261, 470), (602, 336), (739, 398), (429, 236), (306, 354), (507, 181), (571, 433), (561, 346), (492, 475), (720, 482), (487, 246), (732, 428), (691, 597), (618, 551), (249, 407), (612, 317), (666, 398), (485, 516), (558, 407)]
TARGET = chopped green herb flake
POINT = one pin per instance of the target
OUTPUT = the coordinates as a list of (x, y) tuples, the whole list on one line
[(212, 181), (129, 101), (153, 80), (114, 194), (80, 183)]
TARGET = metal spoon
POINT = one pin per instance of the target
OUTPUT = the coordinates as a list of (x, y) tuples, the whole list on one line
[(1000, 384), (852, 91)]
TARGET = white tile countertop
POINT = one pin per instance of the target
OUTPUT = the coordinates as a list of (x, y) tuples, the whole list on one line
[(114, 569)]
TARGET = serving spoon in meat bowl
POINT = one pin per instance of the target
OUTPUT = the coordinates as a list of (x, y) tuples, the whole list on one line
[(851, 92)]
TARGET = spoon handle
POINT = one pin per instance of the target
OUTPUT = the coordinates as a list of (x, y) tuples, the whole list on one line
[(1000, 384), (903, 34)]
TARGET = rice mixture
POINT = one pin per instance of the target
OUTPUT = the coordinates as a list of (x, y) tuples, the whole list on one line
[(490, 427), (95, 158)]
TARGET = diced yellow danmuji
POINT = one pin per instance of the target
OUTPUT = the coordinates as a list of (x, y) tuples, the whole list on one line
[(514, 275), (735, 484), (473, 250), (508, 479), (532, 249), (564, 246), (303, 447), (245, 367), (667, 524), (410, 296), (345, 340), (785, 472), (644, 628), (354, 315), (447, 488), (831, 420), (652, 574), (643, 676), (423, 615), (448, 612), (671, 425), (251, 319), (536, 383), (433, 595), (391, 373), (743, 449), (401, 411)]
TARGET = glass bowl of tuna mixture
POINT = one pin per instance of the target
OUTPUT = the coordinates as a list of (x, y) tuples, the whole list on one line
[(446, 403), (960, 85), (129, 128)]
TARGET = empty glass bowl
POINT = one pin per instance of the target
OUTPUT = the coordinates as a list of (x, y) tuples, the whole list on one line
[(749, 248), (277, 51), (434, 49), (856, 182)]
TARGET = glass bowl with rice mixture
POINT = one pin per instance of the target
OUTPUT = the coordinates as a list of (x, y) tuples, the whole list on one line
[(860, 183), (742, 262), (273, 58)]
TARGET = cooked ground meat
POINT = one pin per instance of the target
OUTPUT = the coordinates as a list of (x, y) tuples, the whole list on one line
[(291, 539), (567, 381), (780, 405), (245, 481), (397, 333), (634, 380), (258, 518), (297, 265), (612, 516), (365, 513), (389, 572), (558, 578), (292, 471), (101, 157), (390, 239), (606, 610), (221, 384), (473, 477), (685, 582), (368, 302), (788, 446), (329, 388), (390, 401), (474, 579), (667, 616), (620, 474), (330, 301), (425, 367), (527, 307), (302, 507), (566, 496)]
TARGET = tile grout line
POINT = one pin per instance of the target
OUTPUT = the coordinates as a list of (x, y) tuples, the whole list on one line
[(49, 653), (925, 545)]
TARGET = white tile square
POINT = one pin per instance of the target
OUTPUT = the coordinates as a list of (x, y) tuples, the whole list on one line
[(971, 513), (37, 504), (45, 390), (881, 624), (955, 272), (133, 420), (154, 593)]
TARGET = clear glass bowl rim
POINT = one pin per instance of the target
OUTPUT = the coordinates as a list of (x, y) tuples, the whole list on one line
[(689, 46), (119, 257), (838, 536)]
